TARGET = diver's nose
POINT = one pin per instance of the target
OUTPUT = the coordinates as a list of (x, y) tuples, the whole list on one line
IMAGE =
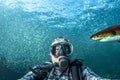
[(61, 52)]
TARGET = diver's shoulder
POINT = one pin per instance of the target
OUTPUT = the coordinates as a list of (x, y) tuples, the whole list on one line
[(43, 65)]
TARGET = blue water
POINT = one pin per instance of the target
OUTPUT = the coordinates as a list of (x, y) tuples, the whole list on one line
[(27, 28)]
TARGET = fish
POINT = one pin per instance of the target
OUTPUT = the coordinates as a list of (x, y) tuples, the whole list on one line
[(110, 34)]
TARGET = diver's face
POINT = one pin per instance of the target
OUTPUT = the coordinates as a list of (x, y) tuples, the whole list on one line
[(56, 51)]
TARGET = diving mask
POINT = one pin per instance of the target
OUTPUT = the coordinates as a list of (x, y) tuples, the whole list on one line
[(61, 49)]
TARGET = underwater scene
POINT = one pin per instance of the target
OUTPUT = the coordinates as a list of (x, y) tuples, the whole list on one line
[(27, 28)]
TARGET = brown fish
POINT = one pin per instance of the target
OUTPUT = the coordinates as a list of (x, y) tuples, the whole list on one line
[(108, 35)]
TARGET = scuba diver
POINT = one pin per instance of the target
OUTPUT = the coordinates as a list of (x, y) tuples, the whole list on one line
[(62, 67)]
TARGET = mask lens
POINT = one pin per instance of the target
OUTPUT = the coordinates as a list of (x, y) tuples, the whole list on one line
[(55, 49), (66, 48)]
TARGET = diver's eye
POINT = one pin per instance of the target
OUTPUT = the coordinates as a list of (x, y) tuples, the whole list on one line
[(67, 48)]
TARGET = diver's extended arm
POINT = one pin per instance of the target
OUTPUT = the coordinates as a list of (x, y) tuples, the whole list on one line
[(90, 75)]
